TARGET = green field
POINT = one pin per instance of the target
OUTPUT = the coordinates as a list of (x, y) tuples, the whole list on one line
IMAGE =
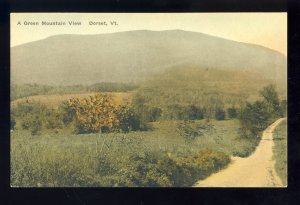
[(280, 151), (163, 156), (146, 142)]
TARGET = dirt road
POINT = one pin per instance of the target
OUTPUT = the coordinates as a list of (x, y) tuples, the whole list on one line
[(257, 170)]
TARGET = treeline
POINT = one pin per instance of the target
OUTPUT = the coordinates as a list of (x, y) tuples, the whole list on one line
[(99, 113), (25, 90), (254, 117), (215, 109)]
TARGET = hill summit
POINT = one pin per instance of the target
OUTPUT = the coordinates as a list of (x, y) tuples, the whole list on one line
[(134, 55)]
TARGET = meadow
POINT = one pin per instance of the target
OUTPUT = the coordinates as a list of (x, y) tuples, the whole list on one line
[(163, 156), (280, 151), (53, 101), (171, 131)]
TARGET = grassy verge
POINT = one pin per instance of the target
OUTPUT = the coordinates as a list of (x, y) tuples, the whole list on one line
[(165, 156), (280, 151)]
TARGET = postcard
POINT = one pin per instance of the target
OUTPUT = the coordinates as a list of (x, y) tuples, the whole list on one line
[(148, 100)]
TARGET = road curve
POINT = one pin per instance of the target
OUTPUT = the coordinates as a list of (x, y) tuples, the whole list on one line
[(257, 170)]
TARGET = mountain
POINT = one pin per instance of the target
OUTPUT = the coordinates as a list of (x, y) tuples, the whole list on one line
[(135, 55)]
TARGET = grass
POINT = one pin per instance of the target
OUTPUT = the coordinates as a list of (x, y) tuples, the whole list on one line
[(160, 157), (56, 100), (280, 151)]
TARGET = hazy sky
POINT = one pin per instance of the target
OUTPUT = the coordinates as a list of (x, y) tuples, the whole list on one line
[(266, 29)]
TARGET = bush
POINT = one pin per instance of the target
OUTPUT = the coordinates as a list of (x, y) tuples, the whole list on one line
[(201, 165), (25, 108), (35, 116), (220, 114), (68, 115), (33, 123), (188, 132), (194, 113), (232, 112), (147, 169), (53, 119), (183, 112), (128, 120)]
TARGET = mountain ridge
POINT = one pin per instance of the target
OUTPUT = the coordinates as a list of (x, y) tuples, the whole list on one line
[(129, 56), (146, 30)]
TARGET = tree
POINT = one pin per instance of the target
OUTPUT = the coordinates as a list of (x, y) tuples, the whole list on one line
[(94, 113), (253, 118), (272, 101)]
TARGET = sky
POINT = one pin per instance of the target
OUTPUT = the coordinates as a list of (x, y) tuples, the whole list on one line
[(265, 29)]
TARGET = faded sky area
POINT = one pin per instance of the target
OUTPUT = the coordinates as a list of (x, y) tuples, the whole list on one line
[(265, 29)]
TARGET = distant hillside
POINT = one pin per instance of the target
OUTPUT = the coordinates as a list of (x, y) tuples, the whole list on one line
[(189, 84), (132, 56)]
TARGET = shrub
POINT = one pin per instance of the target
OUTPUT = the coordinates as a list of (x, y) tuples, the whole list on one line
[(67, 113), (26, 108), (53, 119), (194, 113), (33, 123), (183, 112), (220, 114), (35, 116), (201, 165), (232, 112), (128, 120), (187, 131)]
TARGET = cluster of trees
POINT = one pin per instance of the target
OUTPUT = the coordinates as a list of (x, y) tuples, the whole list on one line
[(255, 117), (177, 111), (25, 90), (84, 115), (34, 117), (88, 115)]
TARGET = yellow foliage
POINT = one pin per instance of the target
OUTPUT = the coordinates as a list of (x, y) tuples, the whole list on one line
[(96, 111)]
